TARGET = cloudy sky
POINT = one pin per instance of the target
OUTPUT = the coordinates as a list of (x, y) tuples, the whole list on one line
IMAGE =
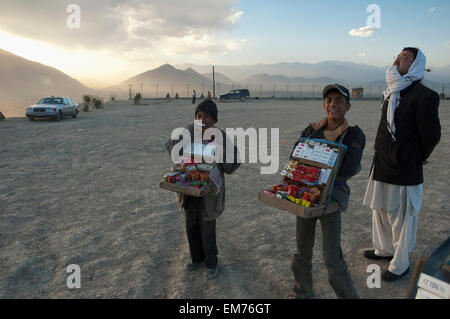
[(111, 40)]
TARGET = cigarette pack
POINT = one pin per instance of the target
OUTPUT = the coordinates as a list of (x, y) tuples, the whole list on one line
[(306, 153), (324, 176), (333, 158), (199, 150), (315, 156)]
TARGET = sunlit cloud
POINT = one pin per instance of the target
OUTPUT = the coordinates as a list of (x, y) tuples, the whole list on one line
[(235, 45), (117, 39), (116, 26), (432, 10), (234, 17), (362, 32)]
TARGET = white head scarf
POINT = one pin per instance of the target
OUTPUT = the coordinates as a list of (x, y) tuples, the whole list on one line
[(397, 83)]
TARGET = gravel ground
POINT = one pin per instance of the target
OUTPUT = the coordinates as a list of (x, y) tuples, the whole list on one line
[(86, 191)]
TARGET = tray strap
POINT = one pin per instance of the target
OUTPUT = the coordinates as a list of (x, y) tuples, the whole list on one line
[(341, 152)]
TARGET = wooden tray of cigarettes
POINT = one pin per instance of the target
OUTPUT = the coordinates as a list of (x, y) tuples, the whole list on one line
[(189, 178), (190, 191), (308, 180), (307, 212)]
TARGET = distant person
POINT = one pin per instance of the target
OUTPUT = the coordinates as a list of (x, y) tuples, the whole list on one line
[(408, 131), (334, 127), (194, 94), (201, 212), (209, 97)]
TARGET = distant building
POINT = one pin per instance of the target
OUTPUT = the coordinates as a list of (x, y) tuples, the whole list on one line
[(358, 93)]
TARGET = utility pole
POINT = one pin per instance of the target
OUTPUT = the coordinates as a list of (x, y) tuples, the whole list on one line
[(214, 84), (129, 90)]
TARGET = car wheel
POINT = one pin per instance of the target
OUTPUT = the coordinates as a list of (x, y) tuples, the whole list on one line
[(75, 114), (58, 116), (31, 118)]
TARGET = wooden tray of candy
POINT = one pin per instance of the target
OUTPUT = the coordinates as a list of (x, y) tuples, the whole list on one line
[(298, 210), (190, 191)]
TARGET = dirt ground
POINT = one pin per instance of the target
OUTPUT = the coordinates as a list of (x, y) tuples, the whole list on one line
[(86, 191)]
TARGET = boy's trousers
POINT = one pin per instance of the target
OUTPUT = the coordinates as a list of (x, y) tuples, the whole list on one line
[(338, 275), (201, 234)]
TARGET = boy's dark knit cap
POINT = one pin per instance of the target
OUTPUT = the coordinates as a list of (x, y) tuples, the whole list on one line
[(208, 107)]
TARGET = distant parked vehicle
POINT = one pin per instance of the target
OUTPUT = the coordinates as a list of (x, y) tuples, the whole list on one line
[(239, 94), (53, 107)]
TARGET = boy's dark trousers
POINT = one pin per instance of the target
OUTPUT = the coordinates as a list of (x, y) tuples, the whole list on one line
[(338, 275), (201, 234)]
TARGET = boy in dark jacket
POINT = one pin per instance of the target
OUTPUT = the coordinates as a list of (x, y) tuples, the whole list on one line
[(334, 128), (201, 212)]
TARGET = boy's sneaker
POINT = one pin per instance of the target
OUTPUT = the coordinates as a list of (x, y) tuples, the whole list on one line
[(210, 273), (193, 266)]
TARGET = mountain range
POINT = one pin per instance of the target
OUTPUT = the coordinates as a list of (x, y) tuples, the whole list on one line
[(348, 73), (166, 79), (23, 81)]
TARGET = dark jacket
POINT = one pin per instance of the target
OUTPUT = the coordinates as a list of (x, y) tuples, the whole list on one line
[(212, 204), (418, 131), (355, 140)]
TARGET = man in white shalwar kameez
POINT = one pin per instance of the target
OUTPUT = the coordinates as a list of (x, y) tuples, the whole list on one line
[(409, 130)]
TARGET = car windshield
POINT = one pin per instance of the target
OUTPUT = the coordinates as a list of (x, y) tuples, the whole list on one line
[(51, 100)]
